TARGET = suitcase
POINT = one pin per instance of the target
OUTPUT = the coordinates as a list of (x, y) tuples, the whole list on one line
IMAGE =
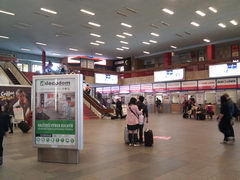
[(24, 126), (148, 137), (185, 115), (114, 117), (126, 140)]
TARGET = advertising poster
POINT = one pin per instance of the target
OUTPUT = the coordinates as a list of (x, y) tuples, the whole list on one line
[(20, 99), (227, 83), (56, 112), (106, 90), (146, 88), (100, 90), (124, 89), (207, 84), (169, 75), (189, 85), (174, 86), (135, 88), (158, 87), (199, 98), (115, 89), (106, 78)]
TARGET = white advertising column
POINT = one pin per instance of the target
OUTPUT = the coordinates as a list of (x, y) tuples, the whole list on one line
[(57, 106)]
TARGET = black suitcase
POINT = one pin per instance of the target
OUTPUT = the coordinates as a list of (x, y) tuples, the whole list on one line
[(148, 137), (23, 125), (185, 115)]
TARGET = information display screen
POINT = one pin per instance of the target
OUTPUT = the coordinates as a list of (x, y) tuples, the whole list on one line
[(169, 75), (106, 78), (224, 70)]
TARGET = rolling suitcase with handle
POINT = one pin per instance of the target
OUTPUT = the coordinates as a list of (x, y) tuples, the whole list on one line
[(148, 137)]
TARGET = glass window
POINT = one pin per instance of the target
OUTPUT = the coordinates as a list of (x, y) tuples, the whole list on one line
[(20, 66), (36, 68), (25, 68)]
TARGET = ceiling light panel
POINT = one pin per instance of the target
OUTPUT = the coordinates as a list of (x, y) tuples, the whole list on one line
[(25, 49), (131, 10), (99, 54), (40, 43), (48, 11), (168, 11), (56, 54), (121, 13), (195, 24), (6, 12), (119, 57), (57, 25), (127, 34), (174, 47), (147, 43), (222, 25), (121, 36), (123, 42), (200, 13), (206, 40), (96, 35), (123, 47), (126, 25), (87, 12), (73, 49), (100, 42), (154, 26), (94, 24), (234, 22), (155, 34), (4, 37), (152, 41), (120, 49), (213, 9), (93, 43), (146, 52)]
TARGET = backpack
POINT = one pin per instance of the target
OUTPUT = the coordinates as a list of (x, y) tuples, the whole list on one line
[(236, 112)]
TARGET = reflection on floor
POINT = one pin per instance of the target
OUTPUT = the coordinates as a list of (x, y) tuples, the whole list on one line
[(192, 152)]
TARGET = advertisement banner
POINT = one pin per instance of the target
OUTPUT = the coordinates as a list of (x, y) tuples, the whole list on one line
[(135, 88), (106, 90), (124, 89), (159, 87), (20, 99), (207, 84), (174, 86), (146, 88), (226, 83), (58, 112), (115, 89), (189, 85)]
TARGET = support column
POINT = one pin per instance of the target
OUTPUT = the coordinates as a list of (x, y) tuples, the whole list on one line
[(210, 52), (43, 61), (167, 59)]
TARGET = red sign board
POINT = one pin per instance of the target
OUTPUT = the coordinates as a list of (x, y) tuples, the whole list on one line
[(227, 83), (207, 84), (174, 86), (159, 87), (107, 90), (100, 90), (135, 88), (124, 89), (189, 85), (115, 89), (146, 87)]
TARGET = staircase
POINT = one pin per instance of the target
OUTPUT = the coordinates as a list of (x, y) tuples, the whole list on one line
[(11, 76), (88, 114)]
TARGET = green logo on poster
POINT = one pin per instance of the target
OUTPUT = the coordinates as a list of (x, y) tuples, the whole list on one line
[(72, 140), (47, 139), (43, 139), (62, 140), (52, 139), (57, 140), (67, 140), (38, 139)]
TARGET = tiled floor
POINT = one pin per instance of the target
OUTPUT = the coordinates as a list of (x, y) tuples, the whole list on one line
[(194, 152)]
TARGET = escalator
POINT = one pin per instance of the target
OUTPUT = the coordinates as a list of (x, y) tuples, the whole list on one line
[(11, 76)]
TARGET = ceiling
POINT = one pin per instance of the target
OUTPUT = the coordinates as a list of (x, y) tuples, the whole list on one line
[(28, 27)]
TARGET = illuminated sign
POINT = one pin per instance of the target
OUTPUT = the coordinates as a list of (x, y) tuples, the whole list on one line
[(169, 75), (224, 70)]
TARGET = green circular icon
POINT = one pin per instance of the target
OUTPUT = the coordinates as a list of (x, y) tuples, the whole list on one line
[(67, 140), (38, 139), (62, 139), (72, 140), (43, 139), (47, 139), (57, 140), (52, 139)]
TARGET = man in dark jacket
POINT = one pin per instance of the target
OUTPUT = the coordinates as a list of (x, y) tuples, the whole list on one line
[(142, 107), (4, 119), (119, 108)]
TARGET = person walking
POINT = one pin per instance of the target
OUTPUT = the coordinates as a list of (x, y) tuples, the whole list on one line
[(132, 121), (225, 118), (158, 105), (119, 109), (142, 107), (8, 109), (4, 118)]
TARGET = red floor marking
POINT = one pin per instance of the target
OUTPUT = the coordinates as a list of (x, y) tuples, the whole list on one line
[(162, 137)]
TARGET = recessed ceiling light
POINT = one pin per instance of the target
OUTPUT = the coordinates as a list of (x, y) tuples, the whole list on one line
[(100, 42), (146, 43), (222, 25), (94, 24), (99, 54), (168, 11), (73, 49), (213, 9), (154, 34), (123, 47), (56, 54), (126, 25), (87, 12), (6, 12), (123, 42), (4, 37), (174, 47), (48, 10), (93, 43), (127, 34), (146, 52), (195, 24), (234, 22), (96, 35), (206, 40), (120, 49), (39, 43), (152, 41), (57, 25), (25, 49), (200, 13), (119, 57), (121, 36)]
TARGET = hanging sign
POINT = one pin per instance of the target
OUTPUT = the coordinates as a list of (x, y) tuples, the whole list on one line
[(226, 83), (146, 88), (115, 89), (174, 86), (159, 87), (106, 90), (207, 84), (124, 89), (135, 88), (189, 85)]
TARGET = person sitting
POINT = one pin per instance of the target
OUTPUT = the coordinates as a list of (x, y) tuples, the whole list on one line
[(200, 113)]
